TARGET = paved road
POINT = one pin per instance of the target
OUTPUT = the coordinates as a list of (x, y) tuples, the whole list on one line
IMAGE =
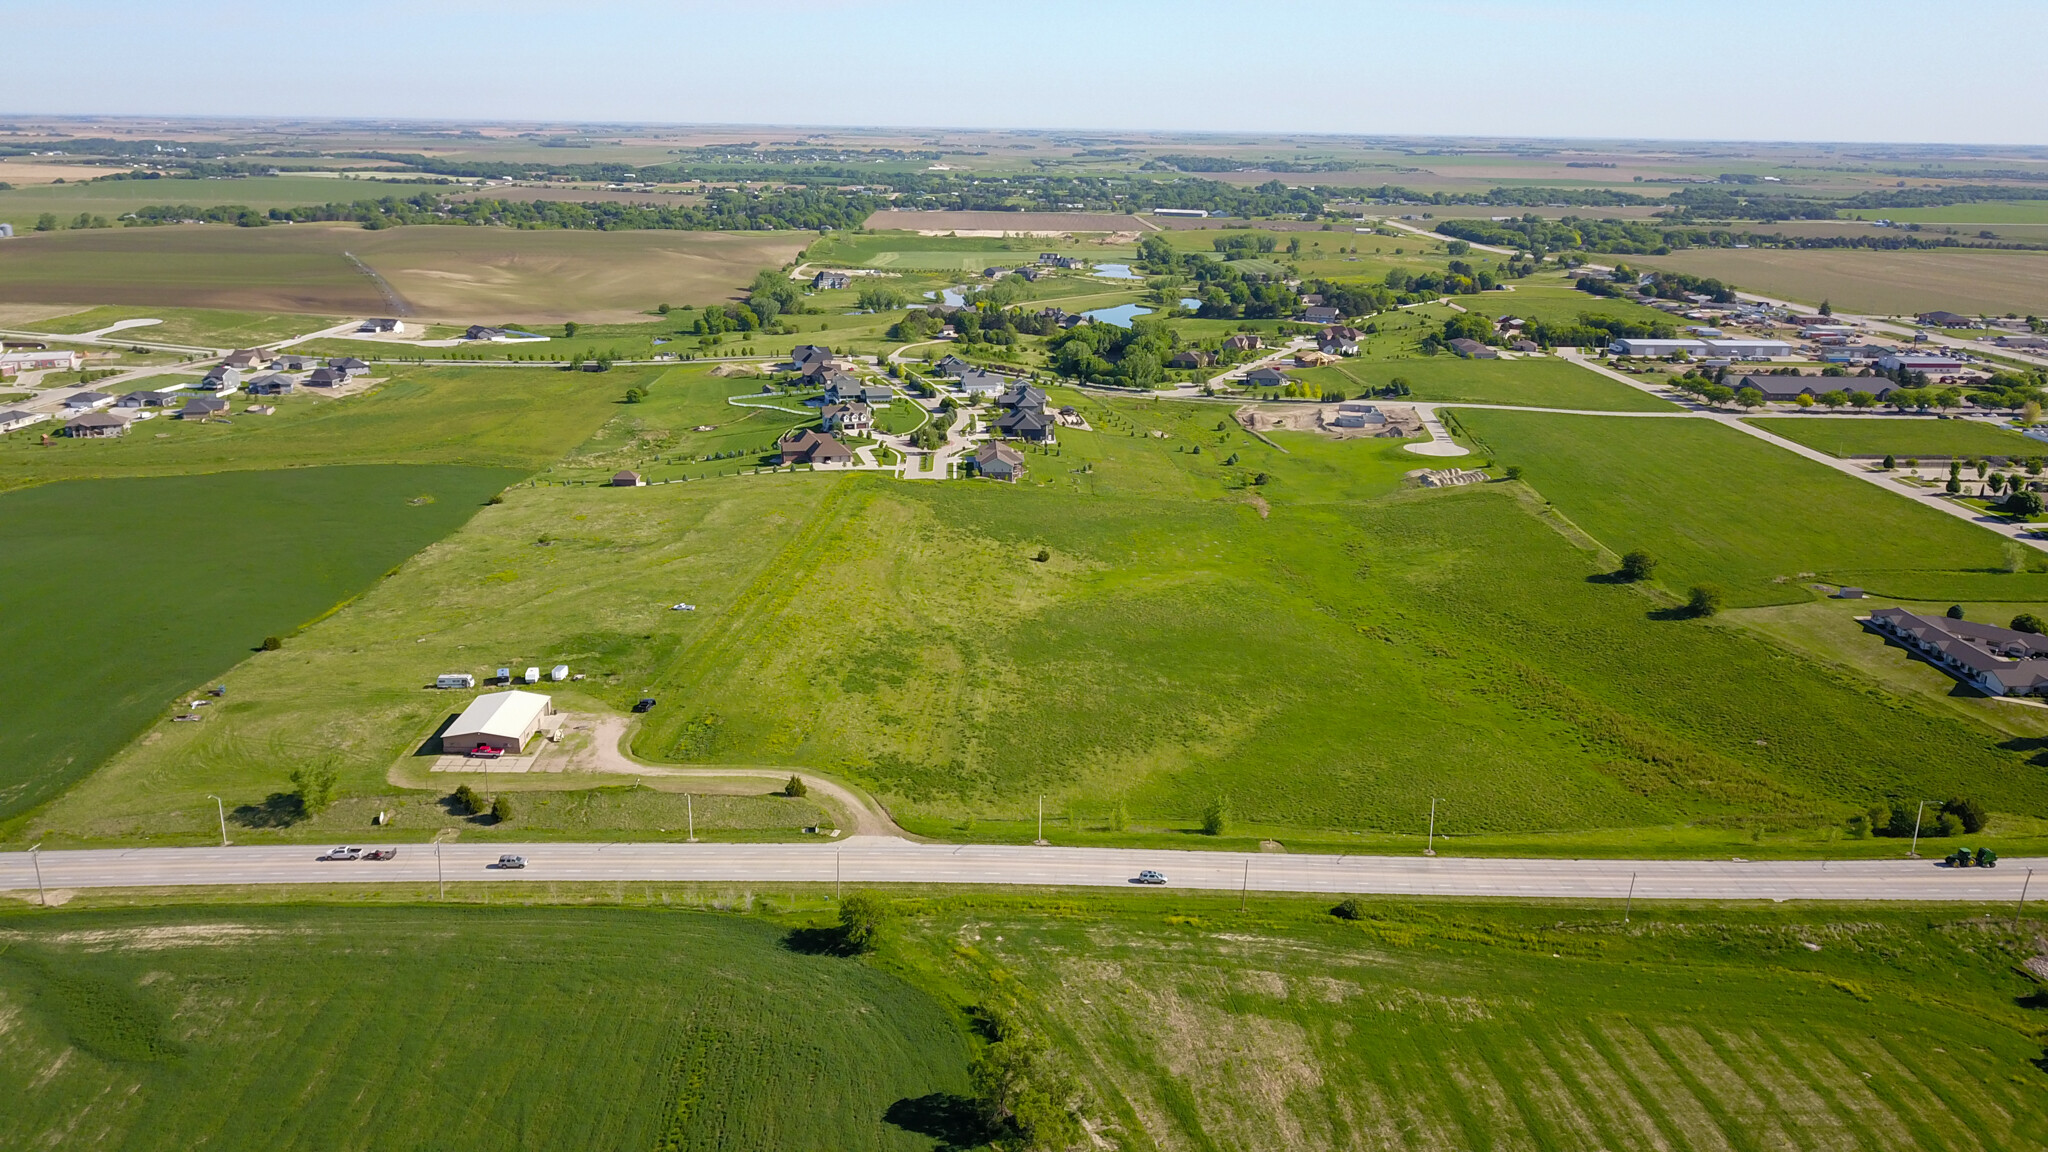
[(886, 860)]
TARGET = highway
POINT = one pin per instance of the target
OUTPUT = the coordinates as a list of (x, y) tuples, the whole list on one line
[(863, 860)]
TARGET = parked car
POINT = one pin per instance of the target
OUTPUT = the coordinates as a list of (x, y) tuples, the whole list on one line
[(342, 852), (486, 752), (643, 704), (1148, 876), (382, 854), (511, 861)]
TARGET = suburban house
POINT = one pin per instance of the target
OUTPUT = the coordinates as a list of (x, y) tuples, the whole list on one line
[(1330, 345), (500, 721), (145, 399), (849, 417), (221, 378), (1311, 358), (1473, 350), (826, 281), (953, 366), (805, 357), (61, 360), (247, 359), (844, 389), (1022, 396), (1312, 300), (1933, 365), (348, 365), (1996, 660), (382, 324), (1025, 424), (272, 384), (326, 378), (1355, 415), (1266, 376), (87, 401), (16, 420), (201, 407), (295, 363), (1947, 320), (628, 479), (1191, 358), (97, 425), (813, 448), (998, 462), (1321, 314), (480, 332), (1244, 342), (976, 382)]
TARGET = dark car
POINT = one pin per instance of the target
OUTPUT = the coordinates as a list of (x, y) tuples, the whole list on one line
[(382, 854), (644, 703)]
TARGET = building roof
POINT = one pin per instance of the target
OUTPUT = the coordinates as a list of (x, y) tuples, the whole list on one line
[(204, 404), (625, 479), (98, 420), (811, 446), (348, 364), (853, 408), (506, 715), (2016, 660), (978, 380), (1267, 373), (86, 399), (1948, 319), (1022, 395), (1002, 456), (326, 376), (1024, 420)]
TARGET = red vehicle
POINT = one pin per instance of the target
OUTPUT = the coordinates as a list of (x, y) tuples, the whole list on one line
[(486, 752), (381, 854)]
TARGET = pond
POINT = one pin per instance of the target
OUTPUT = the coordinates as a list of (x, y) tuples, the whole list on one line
[(1190, 303), (1115, 272), (1121, 315), (951, 297)]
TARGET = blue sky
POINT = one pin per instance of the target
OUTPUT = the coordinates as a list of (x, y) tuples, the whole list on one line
[(1958, 71)]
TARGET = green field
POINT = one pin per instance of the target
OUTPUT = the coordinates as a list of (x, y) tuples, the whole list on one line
[(1716, 506), (117, 594), (1540, 383), (1187, 1022), (484, 1028), (112, 198), (1903, 437), (201, 326)]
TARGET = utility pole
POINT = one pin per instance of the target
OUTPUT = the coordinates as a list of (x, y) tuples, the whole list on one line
[(1629, 907), (1245, 886), (835, 873), (690, 808), (1041, 821), (35, 858), (1430, 848), (221, 810), (440, 881), (2023, 900), (1914, 852)]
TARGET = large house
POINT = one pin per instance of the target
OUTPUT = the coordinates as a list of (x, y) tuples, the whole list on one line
[(1025, 424), (813, 448), (221, 378), (850, 417), (203, 407), (1321, 314), (1473, 349), (826, 281), (1191, 358), (1330, 344), (1355, 415), (326, 378), (953, 366), (15, 420), (146, 399), (87, 402), (348, 366), (841, 388), (295, 362), (804, 359), (998, 462), (976, 382), (1266, 376), (247, 359), (1244, 342), (97, 425), (1023, 396), (381, 324), (1998, 661), (272, 384)]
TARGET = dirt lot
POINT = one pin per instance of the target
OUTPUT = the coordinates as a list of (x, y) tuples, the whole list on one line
[(1014, 223), (1401, 422)]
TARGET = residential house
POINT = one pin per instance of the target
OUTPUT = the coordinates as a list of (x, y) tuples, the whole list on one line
[(804, 357), (1030, 272), (1338, 342), (483, 332), (294, 362), (1312, 300), (1266, 376), (1025, 424), (87, 402), (1997, 661), (841, 388), (1313, 358), (813, 448), (326, 378), (1527, 346), (272, 384), (628, 479), (348, 366), (1244, 342), (827, 281), (1321, 314), (998, 462), (16, 420), (995, 273), (97, 425), (202, 407), (1191, 358), (247, 359), (221, 378), (848, 417), (145, 399), (953, 366), (1947, 320), (1073, 320), (1023, 396), (1473, 350), (1356, 415), (382, 325), (976, 382)]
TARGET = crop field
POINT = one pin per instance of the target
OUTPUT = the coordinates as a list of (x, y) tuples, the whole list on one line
[(1903, 437), (454, 1028), (111, 199), (1544, 382), (459, 274), (201, 326), (1879, 283), (908, 251), (117, 594)]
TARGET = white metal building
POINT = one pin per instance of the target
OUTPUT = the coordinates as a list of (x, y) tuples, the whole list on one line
[(502, 720)]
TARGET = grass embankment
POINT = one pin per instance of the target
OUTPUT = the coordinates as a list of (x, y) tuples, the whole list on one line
[(1534, 383), (1191, 1023), (204, 327), (1902, 437)]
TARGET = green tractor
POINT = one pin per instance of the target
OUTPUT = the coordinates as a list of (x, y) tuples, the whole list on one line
[(1960, 858)]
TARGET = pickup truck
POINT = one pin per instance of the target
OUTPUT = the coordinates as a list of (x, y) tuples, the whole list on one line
[(342, 852)]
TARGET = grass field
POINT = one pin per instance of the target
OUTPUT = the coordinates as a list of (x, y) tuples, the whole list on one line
[(1902, 437), (1190, 1024), (1718, 507), (458, 274), (483, 1028), (117, 594), (1544, 383), (206, 327), (1879, 283), (22, 205)]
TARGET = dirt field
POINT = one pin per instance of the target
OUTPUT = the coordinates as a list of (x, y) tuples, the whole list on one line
[(1013, 222), (1322, 418), (452, 274), (1883, 283)]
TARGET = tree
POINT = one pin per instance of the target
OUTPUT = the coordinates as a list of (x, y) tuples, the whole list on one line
[(47, 222), (272, 643), (879, 298), (1119, 816), (1216, 817), (1968, 812), (1890, 462), (501, 809), (570, 329), (861, 918), (465, 801), (1750, 398), (796, 786), (1704, 600), (1021, 1092), (2028, 622), (314, 785), (1637, 565), (2022, 503), (635, 395), (1349, 908), (1827, 308)]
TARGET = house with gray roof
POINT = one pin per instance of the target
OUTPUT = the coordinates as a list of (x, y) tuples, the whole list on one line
[(851, 417), (1997, 661), (97, 425), (1022, 395), (146, 399), (87, 401), (998, 462), (976, 382), (1025, 424), (272, 384), (1267, 376), (203, 407), (17, 419)]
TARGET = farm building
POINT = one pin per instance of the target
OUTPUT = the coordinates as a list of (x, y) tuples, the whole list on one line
[(1998, 661), (627, 479), (13, 421), (999, 462), (97, 425), (506, 721)]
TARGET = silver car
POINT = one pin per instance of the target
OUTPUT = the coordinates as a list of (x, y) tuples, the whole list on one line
[(1148, 876), (511, 861)]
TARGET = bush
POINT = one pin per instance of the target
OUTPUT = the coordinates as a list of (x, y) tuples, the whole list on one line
[(1022, 1093), (1968, 811), (501, 809), (2028, 622), (796, 786), (1119, 816), (1705, 600), (1216, 817), (1903, 819), (1349, 908), (1955, 611), (465, 801), (1513, 472), (315, 786), (272, 643), (861, 917), (1638, 565), (1945, 824), (1044, 554)]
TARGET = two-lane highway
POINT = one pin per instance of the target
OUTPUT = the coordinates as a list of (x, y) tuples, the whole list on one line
[(864, 860)]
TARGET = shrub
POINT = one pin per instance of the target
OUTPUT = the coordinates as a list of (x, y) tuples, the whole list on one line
[(1044, 554), (1945, 824), (1859, 827), (1119, 816), (1216, 817), (1705, 600), (501, 809), (1638, 565), (1903, 819), (1968, 811), (272, 643), (861, 917), (315, 786), (1349, 908), (1955, 611), (2028, 622), (796, 786), (1890, 462), (1020, 1091), (465, 801), (1513, 472)]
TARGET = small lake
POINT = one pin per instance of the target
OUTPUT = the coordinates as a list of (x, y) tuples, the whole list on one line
[(1115, 272), (1190, 303), (950, 297), (1121, 315)]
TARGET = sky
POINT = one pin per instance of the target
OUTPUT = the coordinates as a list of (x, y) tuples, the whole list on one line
[(1961, 71)]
